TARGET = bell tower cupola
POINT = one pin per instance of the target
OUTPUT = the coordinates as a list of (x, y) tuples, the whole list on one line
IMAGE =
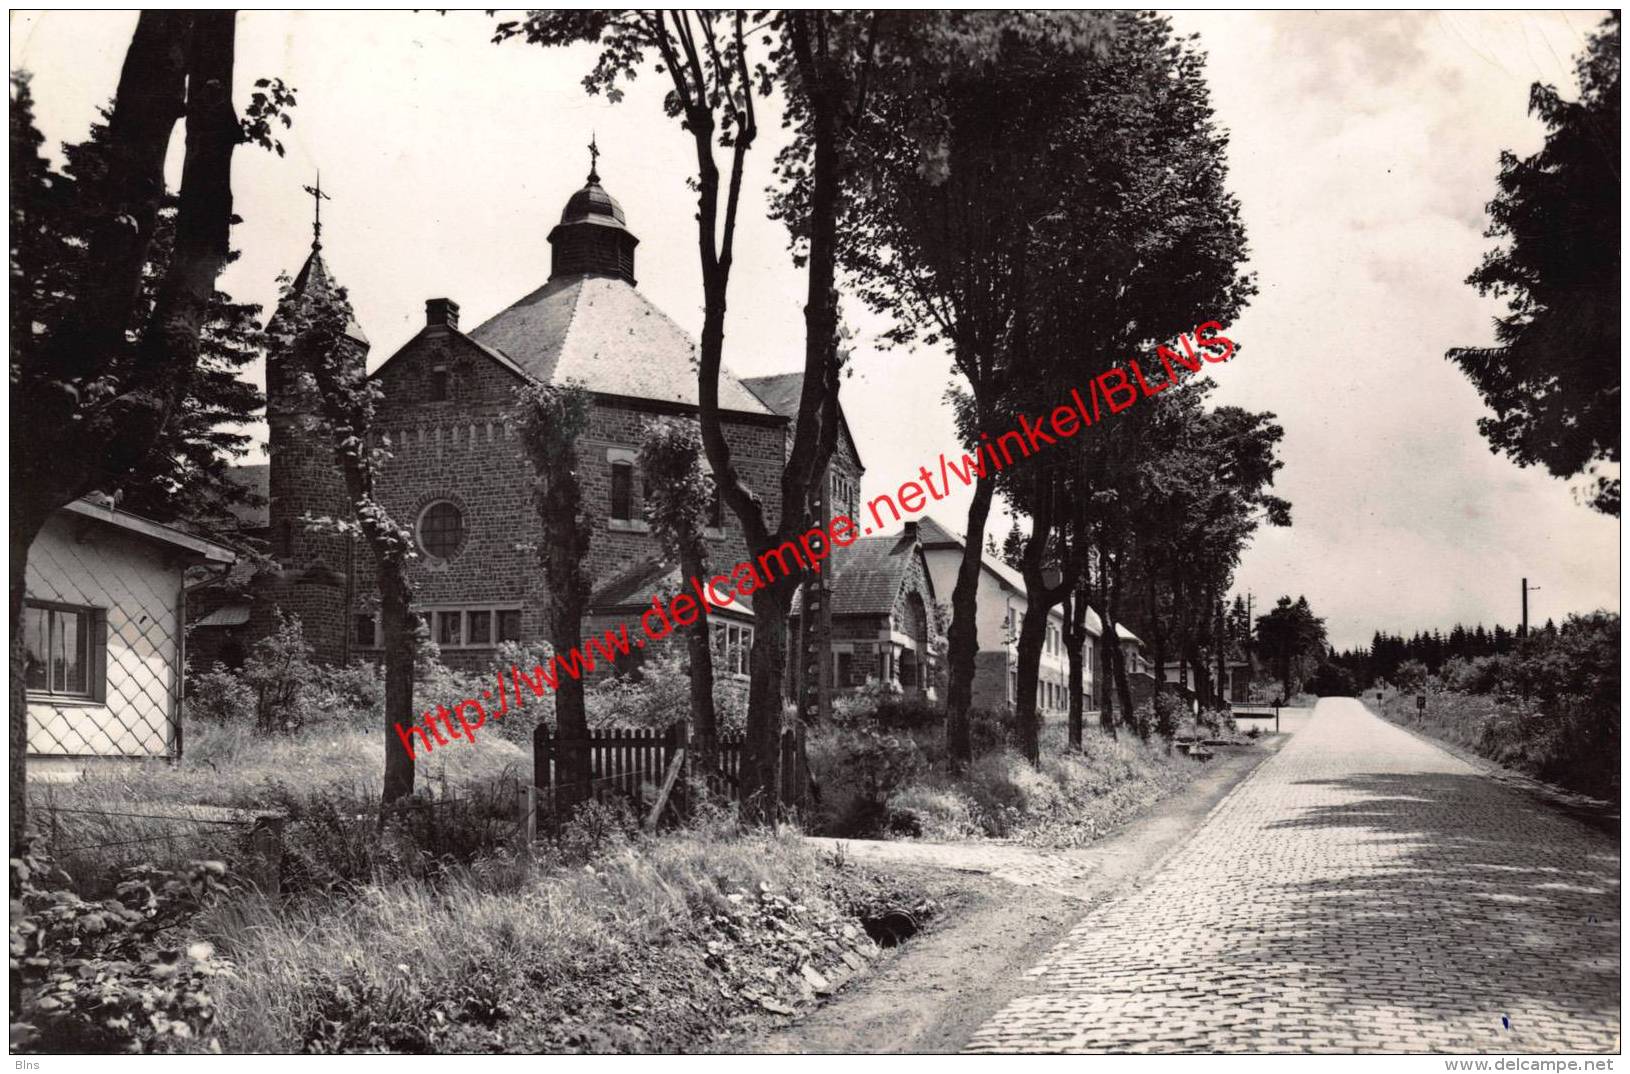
[(592, 237)]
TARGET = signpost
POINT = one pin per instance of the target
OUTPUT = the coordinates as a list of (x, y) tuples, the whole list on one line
[(1420, 702)]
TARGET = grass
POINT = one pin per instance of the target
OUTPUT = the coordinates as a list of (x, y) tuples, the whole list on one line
[(235, 768), (452, 940), (656, 946), (1072, 799)]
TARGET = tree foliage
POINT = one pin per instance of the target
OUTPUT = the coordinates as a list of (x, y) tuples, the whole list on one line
[(1292, 639), (551, 418), (677, 509), (93, 394), (186, 473), (1553, 376), (312, 331)]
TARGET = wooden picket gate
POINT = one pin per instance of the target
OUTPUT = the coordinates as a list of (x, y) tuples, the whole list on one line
[(650, 768)]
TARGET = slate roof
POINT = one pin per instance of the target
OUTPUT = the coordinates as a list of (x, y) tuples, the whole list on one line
[(604, 333), (315, 278), (866, 577), (781, 392), (634, 588)]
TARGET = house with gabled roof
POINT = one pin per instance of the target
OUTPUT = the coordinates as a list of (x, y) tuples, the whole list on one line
[(1002, 603), (887, 623)]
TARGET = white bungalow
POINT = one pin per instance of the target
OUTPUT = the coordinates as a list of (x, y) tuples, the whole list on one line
[(102, 624)]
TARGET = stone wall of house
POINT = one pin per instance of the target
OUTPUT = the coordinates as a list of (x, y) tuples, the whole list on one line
[(990, 679)]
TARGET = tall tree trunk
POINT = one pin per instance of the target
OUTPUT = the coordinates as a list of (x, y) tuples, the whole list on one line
[(1118, 657), (1222, 657), (1032, 629), (1157, 635), (1106, 642), (25, 526), (704, 731), (963, 637), (574, 771), (399, 625), (1075, 637), (759, 778)]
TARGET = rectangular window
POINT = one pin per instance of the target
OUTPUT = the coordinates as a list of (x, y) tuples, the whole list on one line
[(449, 628), (846, 668), (59, 657), (438, 384), (622, 491), (715, 505), (473, 628), (362, 631), (732, 648)]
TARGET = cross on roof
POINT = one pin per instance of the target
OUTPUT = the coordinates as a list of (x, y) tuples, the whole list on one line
[(317, 199), (594, 160)]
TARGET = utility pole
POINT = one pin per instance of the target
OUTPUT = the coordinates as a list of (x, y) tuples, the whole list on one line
[(1526, 589)]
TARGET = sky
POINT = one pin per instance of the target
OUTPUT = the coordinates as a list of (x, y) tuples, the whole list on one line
[(1364, 146)]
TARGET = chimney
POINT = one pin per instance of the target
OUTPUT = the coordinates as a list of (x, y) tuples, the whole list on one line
[(441, 313), (911, 531)]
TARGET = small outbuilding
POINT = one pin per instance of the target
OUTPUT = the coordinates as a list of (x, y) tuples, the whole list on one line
[(102, 625)]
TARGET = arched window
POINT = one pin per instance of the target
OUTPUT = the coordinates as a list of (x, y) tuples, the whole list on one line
[(441, 530)]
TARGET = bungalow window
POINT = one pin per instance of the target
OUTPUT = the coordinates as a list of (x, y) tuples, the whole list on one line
[(846, 668), (622, 491), (509, 624), (59, 657)]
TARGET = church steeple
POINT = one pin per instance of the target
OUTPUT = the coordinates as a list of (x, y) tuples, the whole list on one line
[(592, 237)]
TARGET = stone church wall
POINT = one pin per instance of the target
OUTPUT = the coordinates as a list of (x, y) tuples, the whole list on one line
[(462, 451)]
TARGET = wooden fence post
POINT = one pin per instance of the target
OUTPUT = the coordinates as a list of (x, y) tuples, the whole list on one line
[(788, 768), (541, 755)]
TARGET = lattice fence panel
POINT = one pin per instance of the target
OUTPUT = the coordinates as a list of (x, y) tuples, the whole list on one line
[(134, 657)]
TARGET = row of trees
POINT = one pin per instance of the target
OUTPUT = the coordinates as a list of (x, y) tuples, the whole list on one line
[(952, 164), (1041, 192)]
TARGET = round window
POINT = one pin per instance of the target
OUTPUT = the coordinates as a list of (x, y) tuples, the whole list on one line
[(441, 530)]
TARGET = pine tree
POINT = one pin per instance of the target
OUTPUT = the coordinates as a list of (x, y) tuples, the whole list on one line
[(186, 474)]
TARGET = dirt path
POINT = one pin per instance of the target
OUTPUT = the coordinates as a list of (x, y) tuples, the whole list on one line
[(1012, 905)]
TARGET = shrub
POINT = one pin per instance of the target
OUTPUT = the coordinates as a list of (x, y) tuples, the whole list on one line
[(219, 696), (353, 695), (888, 707), (97, 976), (597, 827), (278, 669), (990, 729), (1412, 675), (857, 770)]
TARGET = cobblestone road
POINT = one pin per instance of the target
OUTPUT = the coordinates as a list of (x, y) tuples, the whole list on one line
[(1361, 891)]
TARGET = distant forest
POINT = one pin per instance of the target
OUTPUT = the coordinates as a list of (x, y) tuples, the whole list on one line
[(1387, 652)]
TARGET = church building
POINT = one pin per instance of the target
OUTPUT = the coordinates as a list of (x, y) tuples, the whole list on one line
[(457, 477)]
